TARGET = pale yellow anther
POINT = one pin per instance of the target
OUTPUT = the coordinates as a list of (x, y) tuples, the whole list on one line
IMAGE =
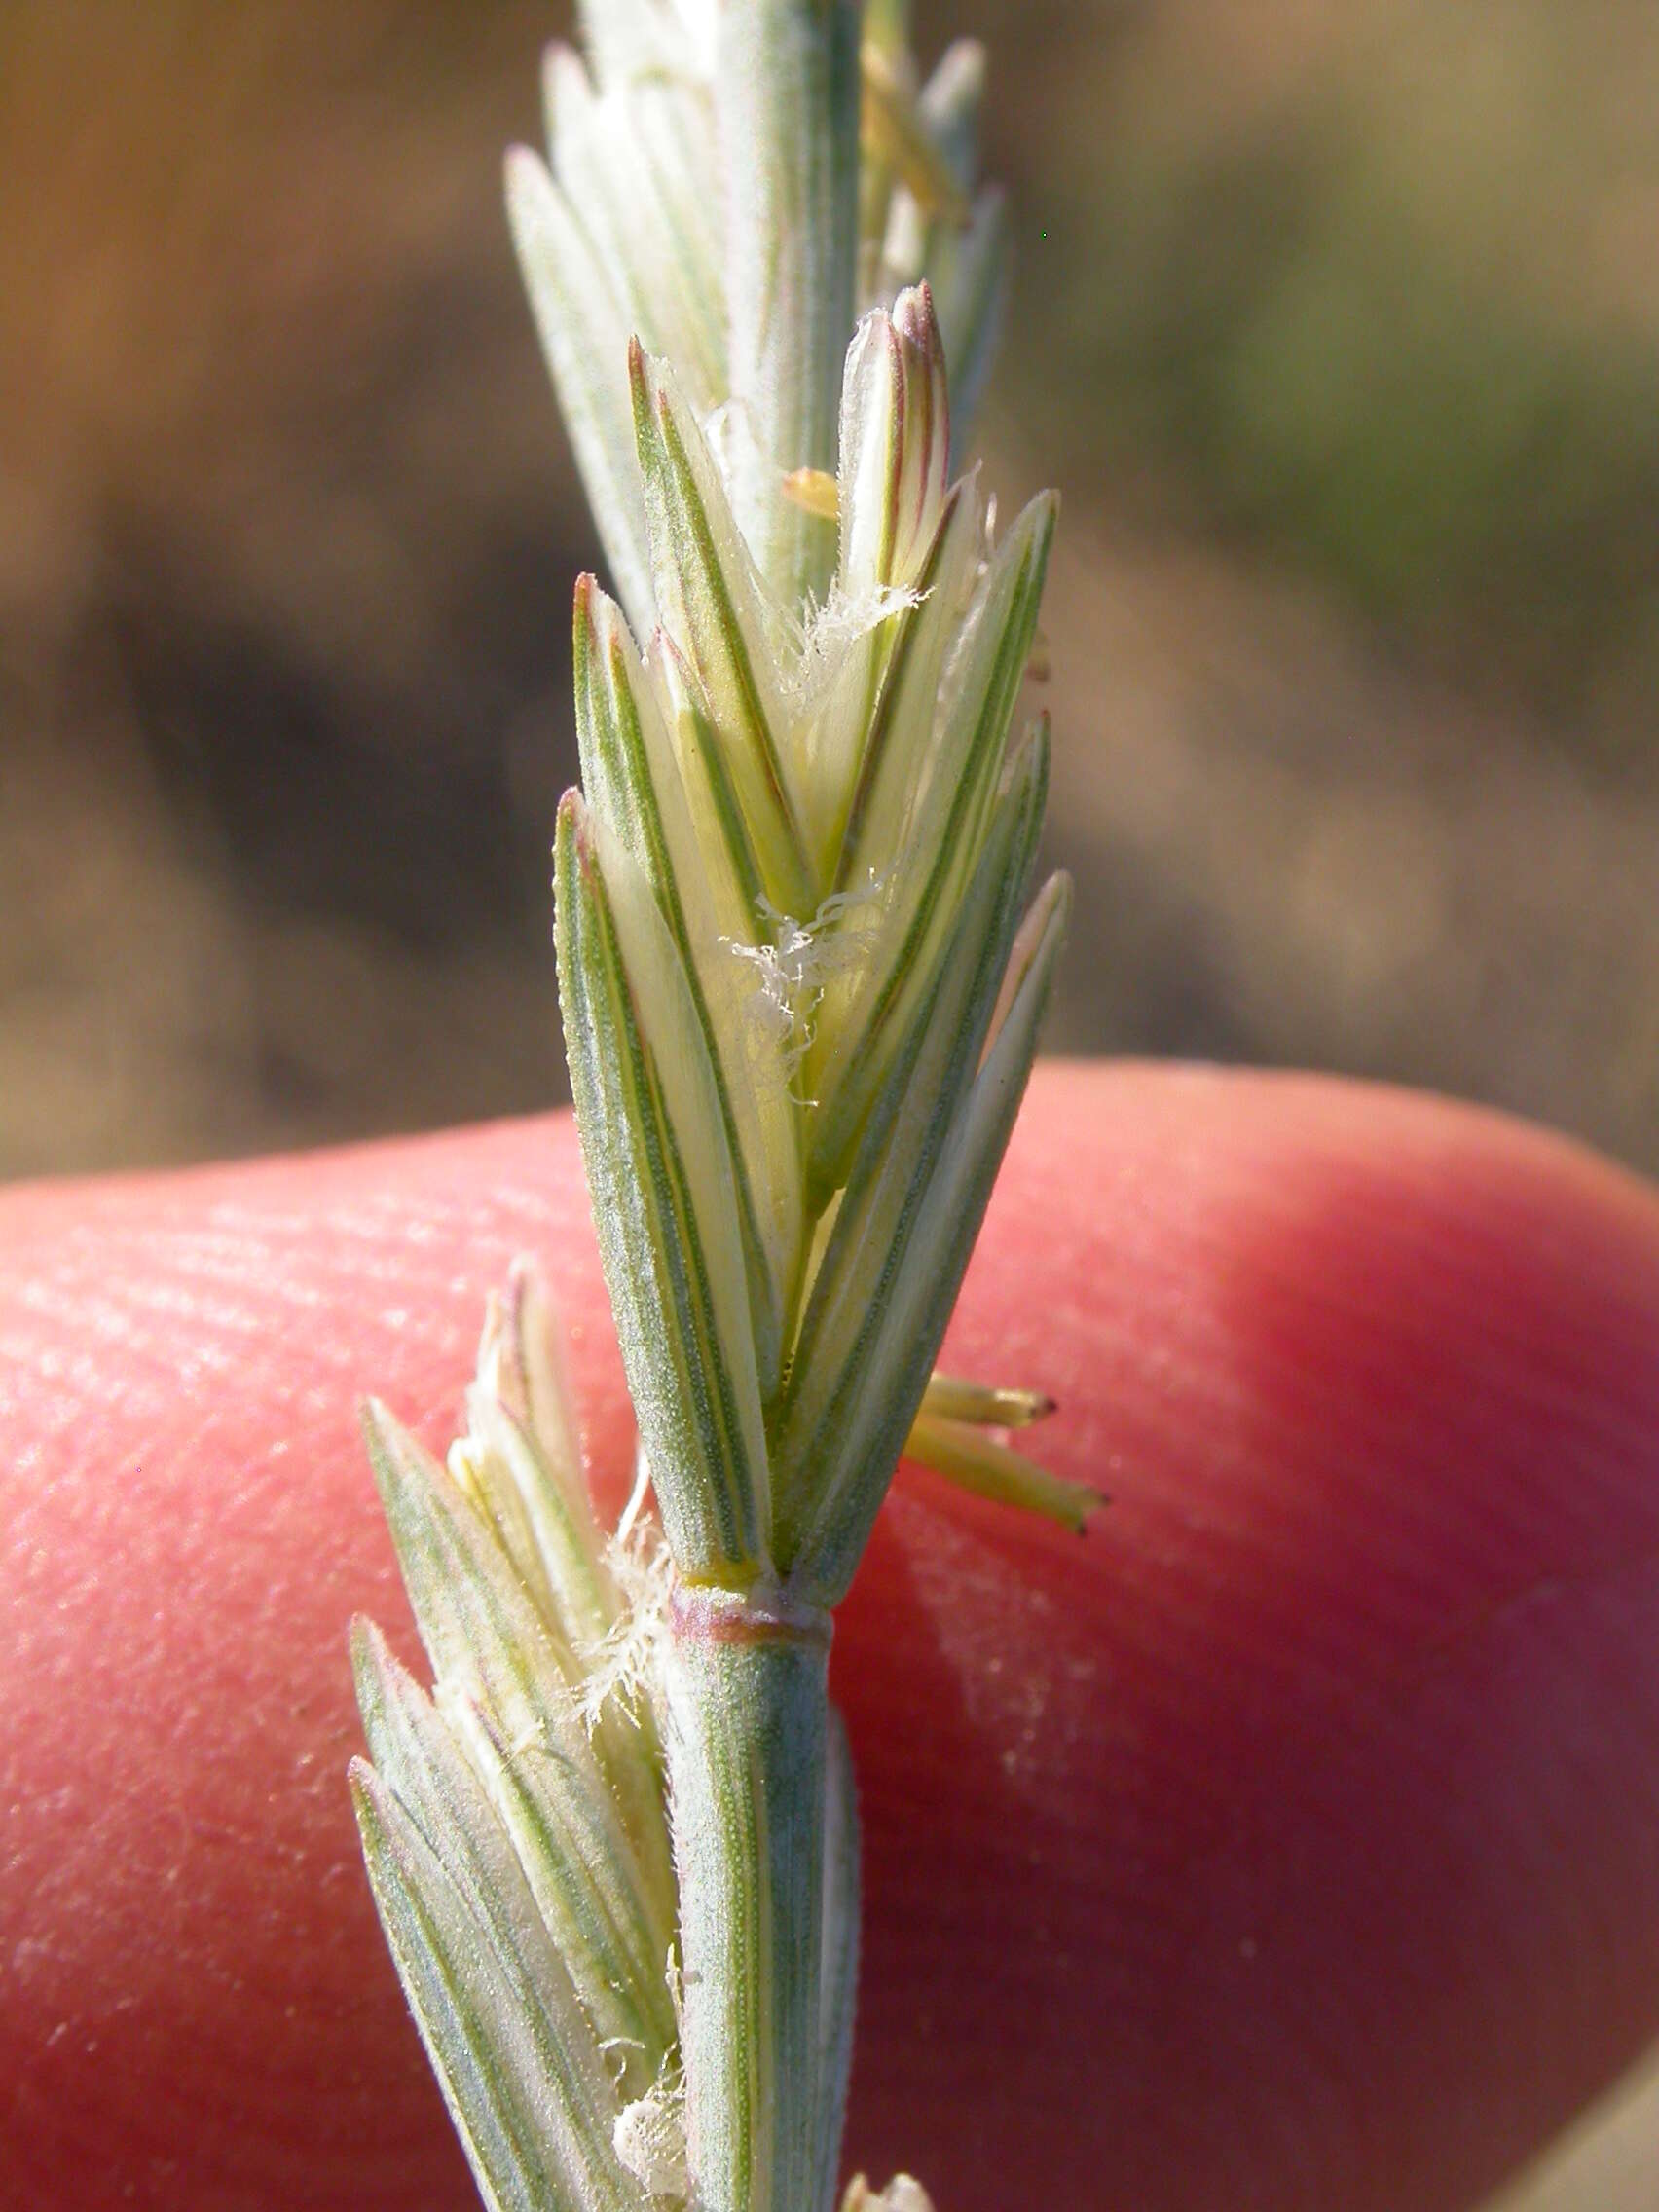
[(814, 490), (984, 1405), (975, 1461)]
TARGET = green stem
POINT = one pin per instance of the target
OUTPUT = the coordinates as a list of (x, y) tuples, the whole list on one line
[(748, 1741), (789, 117)]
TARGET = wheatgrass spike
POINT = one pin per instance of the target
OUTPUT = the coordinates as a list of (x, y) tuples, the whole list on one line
[(614, 1848)]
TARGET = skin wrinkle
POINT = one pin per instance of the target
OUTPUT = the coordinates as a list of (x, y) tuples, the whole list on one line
[(1306, 1683)]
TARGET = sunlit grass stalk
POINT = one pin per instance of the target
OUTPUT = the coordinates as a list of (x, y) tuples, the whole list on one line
[(749, 1719), (801, 977)]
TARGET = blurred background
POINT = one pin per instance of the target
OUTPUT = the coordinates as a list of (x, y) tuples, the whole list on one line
[(1337, 321)]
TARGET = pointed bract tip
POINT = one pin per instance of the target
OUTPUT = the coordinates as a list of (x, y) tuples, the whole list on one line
[(969, 62), (573, 830), (913, 315), (361, 1635), (370, 1803), (564, 79), (642, 396), (376, 1424), (373, 1666), (525, 179), (523, 1307)]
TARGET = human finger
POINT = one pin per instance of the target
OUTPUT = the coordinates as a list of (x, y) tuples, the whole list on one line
[(1287, 1841)]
